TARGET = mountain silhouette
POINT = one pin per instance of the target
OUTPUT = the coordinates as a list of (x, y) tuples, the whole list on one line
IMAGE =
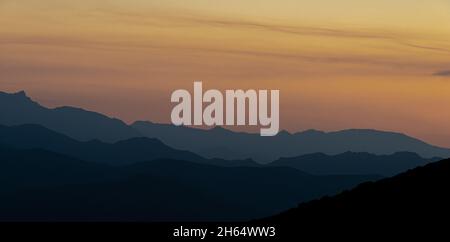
[(38, 185), (32, 136), (74, 122), (415, 200), (214, 143), (354, 163), (222, 143), (41, 168)]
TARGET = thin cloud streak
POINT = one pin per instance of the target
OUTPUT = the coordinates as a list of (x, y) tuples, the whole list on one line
[(403, 39), (137, 47), (438, 49), (131, 46), (320, 32), (197, 19), (297, 30), (445, 73)]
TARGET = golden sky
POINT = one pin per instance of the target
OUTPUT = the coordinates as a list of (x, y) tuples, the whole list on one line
[(381, 64)]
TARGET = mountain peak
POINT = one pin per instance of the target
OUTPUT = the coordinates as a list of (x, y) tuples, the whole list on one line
[(311, 132), (221, 129), (74, 122), (284, 132), (20, 97), (21, 93), (368, 131), (16, 94)]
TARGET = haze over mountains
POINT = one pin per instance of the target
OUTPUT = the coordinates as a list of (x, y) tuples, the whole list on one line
[(219, 142), (70, 164), (215, 143), (39, 185), (32, 136)]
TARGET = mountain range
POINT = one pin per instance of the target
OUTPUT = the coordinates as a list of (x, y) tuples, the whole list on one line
[(77, 123), (214, 143), (219, 142), (32, 136), (39, 185), (69, 164), (133, 150)]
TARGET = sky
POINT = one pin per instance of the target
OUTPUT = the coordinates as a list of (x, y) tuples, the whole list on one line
[(381, 64)]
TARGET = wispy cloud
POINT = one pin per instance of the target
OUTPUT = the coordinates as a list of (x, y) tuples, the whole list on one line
[(140, 46), (287, 29), (405, 39), (197, 19), (424, 47), (168, 20), (442, 73)]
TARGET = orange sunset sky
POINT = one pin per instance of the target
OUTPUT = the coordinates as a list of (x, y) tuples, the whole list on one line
[(381, 64)]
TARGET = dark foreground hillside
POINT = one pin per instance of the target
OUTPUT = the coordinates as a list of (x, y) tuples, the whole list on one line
[(414, 201)]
